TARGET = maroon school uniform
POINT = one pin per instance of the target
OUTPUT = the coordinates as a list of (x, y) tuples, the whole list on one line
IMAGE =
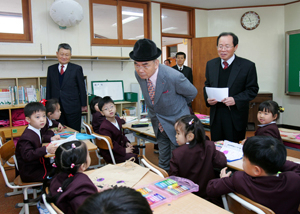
[(74, 195), (197, 164), (46, 132), (98, 118), (119, 141), (269, 130), (30, 153), (279, 193)]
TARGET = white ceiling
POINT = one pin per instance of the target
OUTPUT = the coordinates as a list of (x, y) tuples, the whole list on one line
[(210, 4)]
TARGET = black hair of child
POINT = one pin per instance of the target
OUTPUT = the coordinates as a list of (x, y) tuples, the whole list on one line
[(67, 154), (272, 107), (51, 105), (265, 151), (93, 102), (191, 123), (104, 101), (33, 107), (118, 200)]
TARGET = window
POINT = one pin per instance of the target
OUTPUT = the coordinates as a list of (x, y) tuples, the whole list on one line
[(15, 21), (177, 21), (118, 22)]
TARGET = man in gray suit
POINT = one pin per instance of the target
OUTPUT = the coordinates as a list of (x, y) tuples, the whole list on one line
[(166, 94)]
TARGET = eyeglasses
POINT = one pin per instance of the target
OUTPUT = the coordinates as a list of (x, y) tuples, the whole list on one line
[(108, 108), (225, 47)]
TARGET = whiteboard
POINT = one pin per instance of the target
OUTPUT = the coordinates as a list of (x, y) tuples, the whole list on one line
[(114, 89)]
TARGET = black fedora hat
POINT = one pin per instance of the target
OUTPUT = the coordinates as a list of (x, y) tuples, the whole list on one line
[(145, 50)]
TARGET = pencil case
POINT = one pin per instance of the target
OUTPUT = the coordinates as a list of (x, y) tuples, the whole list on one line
[(138, 125)]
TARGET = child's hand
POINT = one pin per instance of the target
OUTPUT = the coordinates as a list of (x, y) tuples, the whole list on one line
[(223, 173), (55, 137), (128, 145), (124, 118), (51, 148), (60, 127), (243, 141), (105, 187), (129, 150)]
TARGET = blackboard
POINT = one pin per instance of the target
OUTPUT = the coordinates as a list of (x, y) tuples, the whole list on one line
[(114, 89), (292, 66)]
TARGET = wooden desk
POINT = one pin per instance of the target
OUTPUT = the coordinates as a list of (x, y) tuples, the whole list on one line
[(89, 144), (288, 135), (189, 203), (238, 165)]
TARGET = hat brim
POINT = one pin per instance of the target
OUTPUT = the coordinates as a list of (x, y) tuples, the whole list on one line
[(144, 59)]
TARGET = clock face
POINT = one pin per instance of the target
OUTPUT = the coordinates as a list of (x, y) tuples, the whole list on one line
[(250, 20)]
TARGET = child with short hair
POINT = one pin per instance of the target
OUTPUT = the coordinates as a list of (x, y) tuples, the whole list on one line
[(53, 114), (96, 114), (69, 186), (268, 178), (112, 127), (33, 167), (196, 157), (116, 200)]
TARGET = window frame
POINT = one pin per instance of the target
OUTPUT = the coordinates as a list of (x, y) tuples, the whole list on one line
[(145, 5), (191, 18), (27, 24)]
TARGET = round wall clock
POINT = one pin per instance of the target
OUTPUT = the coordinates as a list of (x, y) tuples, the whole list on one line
[(250, 20)]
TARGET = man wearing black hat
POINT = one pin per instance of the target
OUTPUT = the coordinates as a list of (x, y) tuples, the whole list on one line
[(166, 94)]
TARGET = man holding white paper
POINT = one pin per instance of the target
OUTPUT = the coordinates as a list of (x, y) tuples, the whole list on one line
[(229, 116)]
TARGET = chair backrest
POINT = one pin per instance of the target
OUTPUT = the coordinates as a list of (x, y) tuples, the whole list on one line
[(52, 208), (238, 203), (104, 142), (161, 172), (7, 150), (2, 138), (88, 129)]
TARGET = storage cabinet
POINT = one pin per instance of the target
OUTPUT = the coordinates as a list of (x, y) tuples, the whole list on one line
[(253, 109), (142, 110)]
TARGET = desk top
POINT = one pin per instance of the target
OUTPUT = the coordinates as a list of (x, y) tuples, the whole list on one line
[(143, 130), (189, 203), (289, 135), (238, 165)]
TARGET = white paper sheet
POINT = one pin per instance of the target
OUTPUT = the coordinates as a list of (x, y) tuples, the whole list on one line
[(59, 142), (217, 93), (232, 151)]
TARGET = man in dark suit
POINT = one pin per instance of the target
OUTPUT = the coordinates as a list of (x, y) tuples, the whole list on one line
[(187, 71), (166, 94), (228, 118), (65, 82)]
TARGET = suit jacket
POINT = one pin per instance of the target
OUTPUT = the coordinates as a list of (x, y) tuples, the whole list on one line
[(72, 93), (279, 193), (118, 139), (172, 93), (242, 84), (76, 192), (269, 130), (98, 118), (197, 164), (30, 157), (187, 72)]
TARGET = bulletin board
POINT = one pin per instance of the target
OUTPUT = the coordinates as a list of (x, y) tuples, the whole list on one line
[(114, 89), (292, 65)]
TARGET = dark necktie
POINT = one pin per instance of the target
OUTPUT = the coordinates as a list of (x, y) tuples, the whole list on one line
[(180, 69), (62, 70), (225, 64)]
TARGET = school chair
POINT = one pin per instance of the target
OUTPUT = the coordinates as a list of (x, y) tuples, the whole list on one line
[(7, 150), (2, 138), (104, 142), (52, 208), (237, 203), (89, 130), (10, 162), (161, 172)]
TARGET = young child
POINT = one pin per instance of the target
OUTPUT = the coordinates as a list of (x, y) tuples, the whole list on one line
[(196, 157), (268, 113), (116, 200), (261, 181), (69, 186), (96, 114), (30, 153), (53, 114), (112, 127)]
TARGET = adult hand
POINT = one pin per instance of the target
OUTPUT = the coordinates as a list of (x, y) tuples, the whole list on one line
[(84, 108), (223, 173), (228, 101), (212, 101)]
